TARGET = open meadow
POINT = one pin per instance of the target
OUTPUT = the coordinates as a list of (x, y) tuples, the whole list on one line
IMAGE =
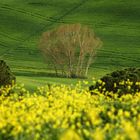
[(22, 23)]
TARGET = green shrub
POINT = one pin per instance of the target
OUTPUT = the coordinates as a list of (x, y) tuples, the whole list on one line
[(120, 81), (6, 76)]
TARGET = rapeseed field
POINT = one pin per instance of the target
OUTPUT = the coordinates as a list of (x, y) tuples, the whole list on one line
[(67, 113)]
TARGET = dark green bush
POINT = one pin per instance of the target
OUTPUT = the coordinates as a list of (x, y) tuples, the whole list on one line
[(120, 81), (6, 76)]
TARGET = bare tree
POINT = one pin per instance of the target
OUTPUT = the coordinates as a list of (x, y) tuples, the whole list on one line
[(70, 49)]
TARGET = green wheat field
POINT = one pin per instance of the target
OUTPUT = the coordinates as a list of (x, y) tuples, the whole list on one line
[(22, 23)]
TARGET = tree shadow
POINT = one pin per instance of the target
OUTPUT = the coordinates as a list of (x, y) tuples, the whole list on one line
[(37, 74), (45, 74)]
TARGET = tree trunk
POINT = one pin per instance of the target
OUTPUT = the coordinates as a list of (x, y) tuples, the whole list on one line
[(89, 62)]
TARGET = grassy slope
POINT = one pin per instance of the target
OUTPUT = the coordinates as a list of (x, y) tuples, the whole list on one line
[(22, 22)]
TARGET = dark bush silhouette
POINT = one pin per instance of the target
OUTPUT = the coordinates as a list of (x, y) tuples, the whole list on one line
[(6, 76), (120, 81)]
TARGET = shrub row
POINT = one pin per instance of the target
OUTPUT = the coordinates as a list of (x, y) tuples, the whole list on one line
[(120, 81)]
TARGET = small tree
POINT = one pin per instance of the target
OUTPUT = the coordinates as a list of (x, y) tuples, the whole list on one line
[(70, 49), (6, 76)]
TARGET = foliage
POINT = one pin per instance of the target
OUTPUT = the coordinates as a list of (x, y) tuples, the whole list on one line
[(120, 81), (64, 112), (70, 49), (6, 76)]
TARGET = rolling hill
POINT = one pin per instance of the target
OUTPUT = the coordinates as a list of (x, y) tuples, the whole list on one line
[(22, 22)]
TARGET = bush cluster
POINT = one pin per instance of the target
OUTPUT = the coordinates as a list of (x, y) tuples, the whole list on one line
[(6, 76), (120, 81)]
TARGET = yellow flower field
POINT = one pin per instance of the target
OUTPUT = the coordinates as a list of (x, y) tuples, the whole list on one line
[(67, 113)]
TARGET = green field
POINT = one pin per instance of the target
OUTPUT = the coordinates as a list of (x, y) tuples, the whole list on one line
[(22, 22)]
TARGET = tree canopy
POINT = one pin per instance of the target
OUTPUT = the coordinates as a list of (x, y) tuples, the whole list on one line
[(70, 49)]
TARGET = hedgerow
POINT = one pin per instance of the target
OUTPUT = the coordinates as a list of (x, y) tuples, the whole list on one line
[(120, 82)]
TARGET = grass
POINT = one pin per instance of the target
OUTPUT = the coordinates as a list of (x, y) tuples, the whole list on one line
[(22, 23), (32, 82)]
